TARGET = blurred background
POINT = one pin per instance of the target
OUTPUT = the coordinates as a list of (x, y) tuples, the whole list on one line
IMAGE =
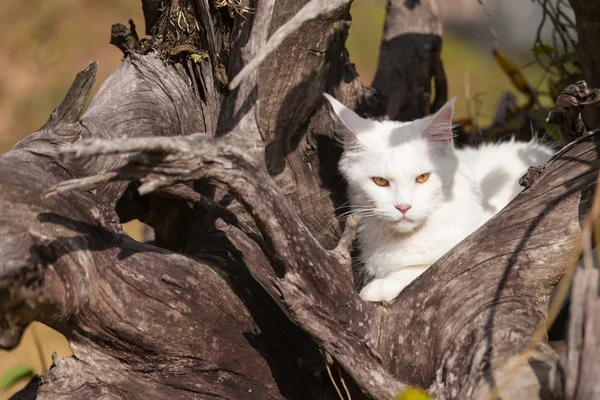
[(45, 43)]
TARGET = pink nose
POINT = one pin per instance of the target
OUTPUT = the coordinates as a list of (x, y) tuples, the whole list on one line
[(403, 208)]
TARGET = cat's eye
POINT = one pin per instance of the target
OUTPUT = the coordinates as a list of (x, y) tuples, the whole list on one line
[(422, 178), (381, 181)]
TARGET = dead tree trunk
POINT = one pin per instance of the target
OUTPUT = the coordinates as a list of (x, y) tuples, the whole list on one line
[(587, 16), (247, 288)]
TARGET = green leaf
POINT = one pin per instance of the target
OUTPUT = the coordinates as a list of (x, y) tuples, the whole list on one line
[(552, 131), (14, 375), (412, 394), (541, 48), (198, 57)]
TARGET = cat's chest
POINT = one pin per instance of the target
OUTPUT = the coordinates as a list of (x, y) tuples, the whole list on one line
[(423, 247)]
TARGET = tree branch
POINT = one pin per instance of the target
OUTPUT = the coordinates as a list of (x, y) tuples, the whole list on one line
[(310, 11), (160, 162), (409, 59), (67, 262), (126, 40)]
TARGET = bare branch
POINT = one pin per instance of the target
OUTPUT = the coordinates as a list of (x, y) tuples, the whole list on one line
[(289, 243), (344, 246), (309, 12), (126, 40)]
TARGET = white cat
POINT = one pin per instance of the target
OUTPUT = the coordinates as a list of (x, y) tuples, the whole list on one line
[(419, 196)]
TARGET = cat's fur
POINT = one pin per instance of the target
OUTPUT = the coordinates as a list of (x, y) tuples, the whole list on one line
[(465, 188)]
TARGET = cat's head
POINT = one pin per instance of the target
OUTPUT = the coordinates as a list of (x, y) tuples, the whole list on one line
[(398, 173)]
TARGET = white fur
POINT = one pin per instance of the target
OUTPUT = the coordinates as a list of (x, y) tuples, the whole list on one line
[(465, 188)]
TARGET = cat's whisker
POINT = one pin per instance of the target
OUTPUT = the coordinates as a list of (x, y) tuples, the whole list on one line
[(339, 220), (343, 205)]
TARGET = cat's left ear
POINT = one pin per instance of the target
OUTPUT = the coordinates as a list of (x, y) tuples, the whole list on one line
[(438, 128)]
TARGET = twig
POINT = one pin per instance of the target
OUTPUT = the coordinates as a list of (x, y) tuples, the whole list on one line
[(493, 34), (86, 183), (339, 370), (561, 31), (345, 243), (157, 144), (328, 362), (307, 13)]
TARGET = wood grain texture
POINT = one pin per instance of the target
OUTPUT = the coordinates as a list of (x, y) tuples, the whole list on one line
[(574, 374), (249, 280)]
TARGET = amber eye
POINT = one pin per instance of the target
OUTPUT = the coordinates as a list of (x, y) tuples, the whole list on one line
[(422, 178), (380, 181)]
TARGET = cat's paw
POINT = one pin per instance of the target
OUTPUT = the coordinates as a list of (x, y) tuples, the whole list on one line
[(382, 289)]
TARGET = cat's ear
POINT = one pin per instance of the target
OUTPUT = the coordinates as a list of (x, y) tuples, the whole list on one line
[(354, 126), (437, 129)]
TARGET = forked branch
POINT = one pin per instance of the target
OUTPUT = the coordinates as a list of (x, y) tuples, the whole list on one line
[(307, 270)]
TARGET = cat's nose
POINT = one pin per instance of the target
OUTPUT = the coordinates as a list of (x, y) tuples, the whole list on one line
[(403, 208)]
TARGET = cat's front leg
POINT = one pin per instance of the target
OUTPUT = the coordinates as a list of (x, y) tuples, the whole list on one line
[(388, 288)]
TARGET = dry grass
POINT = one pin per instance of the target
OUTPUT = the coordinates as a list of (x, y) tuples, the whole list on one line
[(45, 44)]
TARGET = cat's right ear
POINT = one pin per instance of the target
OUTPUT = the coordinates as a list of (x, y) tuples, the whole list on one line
[(353, 125), (437, 129)]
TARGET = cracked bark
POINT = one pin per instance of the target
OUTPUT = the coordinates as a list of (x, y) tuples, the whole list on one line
[(249, 280)]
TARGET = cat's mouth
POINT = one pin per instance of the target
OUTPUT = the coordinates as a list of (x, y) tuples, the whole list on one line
[(405, 224)]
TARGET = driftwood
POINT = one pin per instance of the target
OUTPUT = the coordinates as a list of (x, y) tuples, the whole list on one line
[(246, 291)]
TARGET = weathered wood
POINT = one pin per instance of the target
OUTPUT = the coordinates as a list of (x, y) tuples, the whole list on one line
[(575, 375), (567, 110), (532, 253), (249, 278), (147, 80), (125, 39), (409, 60), (300, 280), (136, 316)]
